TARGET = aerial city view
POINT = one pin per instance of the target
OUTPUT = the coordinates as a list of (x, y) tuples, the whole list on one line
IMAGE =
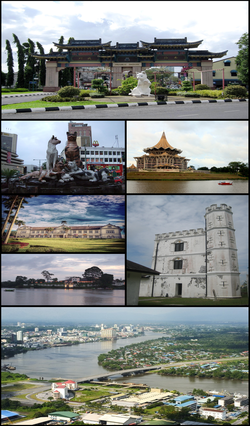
[(125, 213)]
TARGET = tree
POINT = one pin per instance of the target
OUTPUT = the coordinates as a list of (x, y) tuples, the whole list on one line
[(30, 68), (17, 206), (47, 275), (242, 59), (10, 64), (186, 85), (21, 62), (42, 66), (9, 202)]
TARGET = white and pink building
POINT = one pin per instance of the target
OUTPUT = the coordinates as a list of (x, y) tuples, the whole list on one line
[(61, 389)]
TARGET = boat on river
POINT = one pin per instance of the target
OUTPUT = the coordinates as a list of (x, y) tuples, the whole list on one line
[(225, 183)]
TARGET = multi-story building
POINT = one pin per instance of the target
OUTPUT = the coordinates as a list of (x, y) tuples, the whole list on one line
[(9, 157), (84, 133), (226, 66), (108, 333), (216, 413), (61, 231), (103, 156), (19, 336), (197, 262)]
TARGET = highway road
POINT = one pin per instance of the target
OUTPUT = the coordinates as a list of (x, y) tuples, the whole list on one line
[(189, 111)]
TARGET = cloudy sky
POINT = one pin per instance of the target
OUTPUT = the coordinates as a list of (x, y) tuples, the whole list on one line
[(148, 215), (77, 315), (205, 143), (50, 210), (220, 26), (61, 265), (33, 136)]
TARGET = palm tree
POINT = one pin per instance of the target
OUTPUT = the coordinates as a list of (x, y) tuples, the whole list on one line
[(8, 173), (8, 203), (17, 206)]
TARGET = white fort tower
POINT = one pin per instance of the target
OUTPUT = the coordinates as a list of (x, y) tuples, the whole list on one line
[(197, 263)]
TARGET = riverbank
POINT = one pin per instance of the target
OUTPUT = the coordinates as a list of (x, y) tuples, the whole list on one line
[(176, 176)]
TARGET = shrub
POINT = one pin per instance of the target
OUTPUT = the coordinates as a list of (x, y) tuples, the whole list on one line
[(68, 92), (192, 95), (210, 93), (172, 93), (8, 248), (85, 92), (161, 90), (41, 249), (96, 95), (186, 85), (114, 93), (201, 87), (21, 89), (235, 92), (127, 85)]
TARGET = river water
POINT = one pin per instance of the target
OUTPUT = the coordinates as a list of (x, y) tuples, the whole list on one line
[(75, 362), (186, 187), (62, 297)]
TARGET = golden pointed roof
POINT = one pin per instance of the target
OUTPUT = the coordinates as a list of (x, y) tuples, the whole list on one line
[(163, 143)]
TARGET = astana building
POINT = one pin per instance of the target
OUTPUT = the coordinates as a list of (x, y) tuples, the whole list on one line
[(196, 262), (162, 156)]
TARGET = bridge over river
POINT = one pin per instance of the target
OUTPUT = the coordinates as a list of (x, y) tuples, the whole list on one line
[(129, 372), (142, 370)]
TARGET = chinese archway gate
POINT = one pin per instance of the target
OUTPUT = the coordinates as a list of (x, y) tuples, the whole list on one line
[(126, 57)]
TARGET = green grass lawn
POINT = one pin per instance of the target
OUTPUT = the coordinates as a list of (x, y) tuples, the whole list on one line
[(90, 395), (168, 301), (16, 387), (78, 245), (44, 104)]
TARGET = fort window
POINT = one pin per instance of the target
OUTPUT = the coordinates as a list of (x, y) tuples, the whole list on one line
[(177, 264), (179, 247)]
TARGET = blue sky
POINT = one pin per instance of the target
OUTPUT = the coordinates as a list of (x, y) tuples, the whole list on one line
[(219, 25), (61, 265), (33, 136), (112, 315), (205, 143), (148, 215), (51, 210)]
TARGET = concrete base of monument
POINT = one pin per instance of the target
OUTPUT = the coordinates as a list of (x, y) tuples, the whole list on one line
[(51, 88), (54, 187)]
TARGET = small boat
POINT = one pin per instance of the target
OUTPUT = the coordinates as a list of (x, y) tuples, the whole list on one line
[(225, 183)]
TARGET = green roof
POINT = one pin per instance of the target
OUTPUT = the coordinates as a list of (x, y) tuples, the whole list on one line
[(68, 414)]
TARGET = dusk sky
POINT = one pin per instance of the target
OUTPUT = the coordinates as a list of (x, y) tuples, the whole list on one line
[(33, 136), (205, 143), (76, 210), (219, 25), (61, 265), (148, 215), (112, 315)]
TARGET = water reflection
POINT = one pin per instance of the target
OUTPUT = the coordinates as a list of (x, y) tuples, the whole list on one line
[(186, 187), (69, 297)]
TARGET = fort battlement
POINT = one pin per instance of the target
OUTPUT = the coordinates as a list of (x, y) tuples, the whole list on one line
[(214, 207), (185, 233)]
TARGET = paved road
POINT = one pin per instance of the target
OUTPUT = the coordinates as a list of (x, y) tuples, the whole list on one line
[(220, 110)]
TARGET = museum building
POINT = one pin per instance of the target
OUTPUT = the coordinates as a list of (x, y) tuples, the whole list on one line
[(162, 156), (196, 262), (106, 231)]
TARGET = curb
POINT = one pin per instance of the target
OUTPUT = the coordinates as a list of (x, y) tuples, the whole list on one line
[(71, 108), (27, 94)]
